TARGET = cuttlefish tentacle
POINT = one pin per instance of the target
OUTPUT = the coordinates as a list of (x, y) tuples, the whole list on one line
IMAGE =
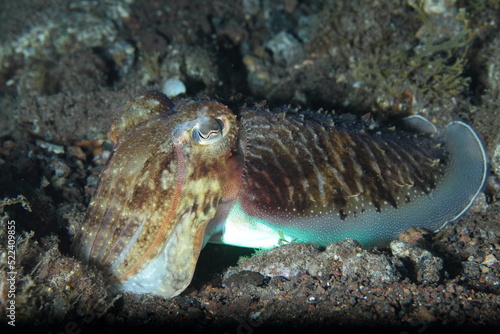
[(188, 173)]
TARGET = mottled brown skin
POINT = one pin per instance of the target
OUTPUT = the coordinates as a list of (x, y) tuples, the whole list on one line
[(152, 177), (139, 110), (305, 165)]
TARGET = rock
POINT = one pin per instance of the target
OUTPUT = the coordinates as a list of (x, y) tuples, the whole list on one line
[(374, 267), (300, 258), (427, 267), (495, 159), (52, 148), (433, 6), (491, 79), (243, 278), (471, 270), (173, 87), (489, 260), (284, 47), (286, 261), (415, 235), (344, 249)]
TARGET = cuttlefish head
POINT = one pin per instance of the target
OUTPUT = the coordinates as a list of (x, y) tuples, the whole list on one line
[(171, 167)]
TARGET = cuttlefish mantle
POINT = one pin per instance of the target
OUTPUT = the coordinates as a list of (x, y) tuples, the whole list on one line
[(184, 174)]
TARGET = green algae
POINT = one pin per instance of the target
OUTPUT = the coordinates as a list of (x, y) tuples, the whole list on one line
[(435, 69)]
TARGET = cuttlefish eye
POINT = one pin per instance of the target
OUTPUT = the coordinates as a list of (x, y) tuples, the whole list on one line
[(208, 130)]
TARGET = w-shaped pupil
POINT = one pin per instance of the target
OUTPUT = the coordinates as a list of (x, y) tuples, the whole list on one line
[(210, 129)]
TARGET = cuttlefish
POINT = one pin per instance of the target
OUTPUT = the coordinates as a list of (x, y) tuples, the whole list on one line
[(184, 174)]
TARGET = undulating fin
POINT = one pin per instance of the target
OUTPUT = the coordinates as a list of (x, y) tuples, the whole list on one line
[(467, 170)]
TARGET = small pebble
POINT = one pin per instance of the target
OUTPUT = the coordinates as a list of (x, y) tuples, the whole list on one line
[(173, 87)]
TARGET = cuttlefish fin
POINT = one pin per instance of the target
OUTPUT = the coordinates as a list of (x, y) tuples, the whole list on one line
[(468, 162), (418, 124), (467, 170)]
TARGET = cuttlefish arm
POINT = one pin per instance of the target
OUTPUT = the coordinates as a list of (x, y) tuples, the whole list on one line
[(170, 168)]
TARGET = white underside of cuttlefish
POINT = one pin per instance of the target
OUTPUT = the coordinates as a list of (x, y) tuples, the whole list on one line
[(186, 174)]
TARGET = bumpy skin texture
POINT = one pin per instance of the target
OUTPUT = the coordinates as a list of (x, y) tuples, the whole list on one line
[(186, 173)]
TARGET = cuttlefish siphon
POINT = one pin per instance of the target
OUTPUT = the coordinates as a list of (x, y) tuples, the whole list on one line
[(184, 174)]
